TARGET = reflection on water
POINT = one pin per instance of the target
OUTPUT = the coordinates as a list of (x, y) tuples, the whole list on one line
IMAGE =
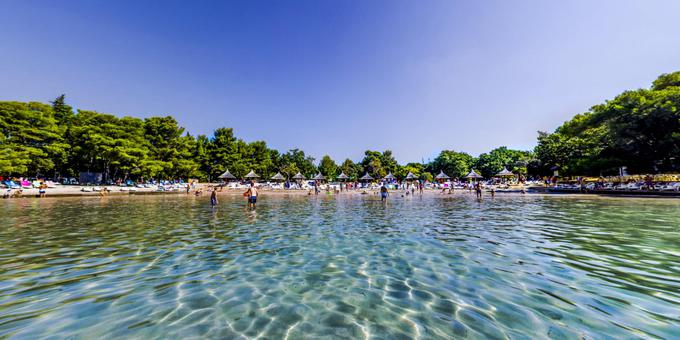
[(430, 267)]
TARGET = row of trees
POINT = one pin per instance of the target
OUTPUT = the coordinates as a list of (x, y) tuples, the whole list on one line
[(53, 141), (639, 129)]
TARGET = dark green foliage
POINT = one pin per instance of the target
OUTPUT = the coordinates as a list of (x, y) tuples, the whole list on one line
[(328, 168), (454, 164), (638, 129), (30, 139), (489, 164)]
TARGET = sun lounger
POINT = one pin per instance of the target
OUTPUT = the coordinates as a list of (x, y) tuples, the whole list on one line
[(670, 187), (12, 185)]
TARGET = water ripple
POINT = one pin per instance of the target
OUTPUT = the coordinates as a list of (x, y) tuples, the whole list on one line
[(430, 267)]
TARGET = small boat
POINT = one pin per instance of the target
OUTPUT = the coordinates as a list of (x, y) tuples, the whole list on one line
[(86, 189)]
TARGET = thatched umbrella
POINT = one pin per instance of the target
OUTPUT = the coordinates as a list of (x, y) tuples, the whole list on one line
[(227, 175), (366, 177), (298, 177), (319, 177), (278, 177), (473, 175), (505, 173), (389, 176), (342, 177), (252, 174), (442, 176), (410, 177)]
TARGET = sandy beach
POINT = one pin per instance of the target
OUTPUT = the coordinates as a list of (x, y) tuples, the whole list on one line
[(76, 191)]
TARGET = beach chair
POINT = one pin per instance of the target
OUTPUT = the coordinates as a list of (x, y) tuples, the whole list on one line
[(12, 185), (672, 186)]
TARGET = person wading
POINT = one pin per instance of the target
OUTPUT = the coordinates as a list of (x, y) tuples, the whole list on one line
[(251, 193), (213, 197)]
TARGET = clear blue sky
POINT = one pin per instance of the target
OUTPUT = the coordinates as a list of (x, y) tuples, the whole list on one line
[(338, 76)]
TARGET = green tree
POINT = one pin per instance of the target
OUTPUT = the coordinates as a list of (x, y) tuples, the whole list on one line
[(169, 149), (304, 164), (453, 163), (489, 164), (373, 163), (31, 140), (62, 112), (352, 170), (327, 167), (416, 168)]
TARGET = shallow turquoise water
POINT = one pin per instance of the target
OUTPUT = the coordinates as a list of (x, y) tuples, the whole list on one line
[(158, 267)]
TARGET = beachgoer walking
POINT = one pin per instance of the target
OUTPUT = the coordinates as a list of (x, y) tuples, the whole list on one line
[(188, 188), (383, 193), (213, 197)]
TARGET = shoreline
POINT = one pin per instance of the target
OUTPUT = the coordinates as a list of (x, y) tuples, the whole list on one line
[(74, 191)]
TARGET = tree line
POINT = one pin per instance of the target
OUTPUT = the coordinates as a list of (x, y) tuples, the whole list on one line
[(639, 129)]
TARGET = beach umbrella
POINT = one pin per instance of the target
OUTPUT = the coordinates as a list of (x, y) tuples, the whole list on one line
[(252, 174), (227, 175), (473, 174), (505, 173), (319, 177), (442, 176), (298, 176), (342, 176), (389, 176), (278, 177), (410, 176), (366, 177)]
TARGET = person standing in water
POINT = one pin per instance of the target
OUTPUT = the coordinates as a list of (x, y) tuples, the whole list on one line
[(42, 189), (251, 193), (478, 189), (383, 193), (213, 197)]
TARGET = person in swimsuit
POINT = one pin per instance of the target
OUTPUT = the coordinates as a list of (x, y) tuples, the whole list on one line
[(383, 193), (252, 195), (478, 189), (42, 190)]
